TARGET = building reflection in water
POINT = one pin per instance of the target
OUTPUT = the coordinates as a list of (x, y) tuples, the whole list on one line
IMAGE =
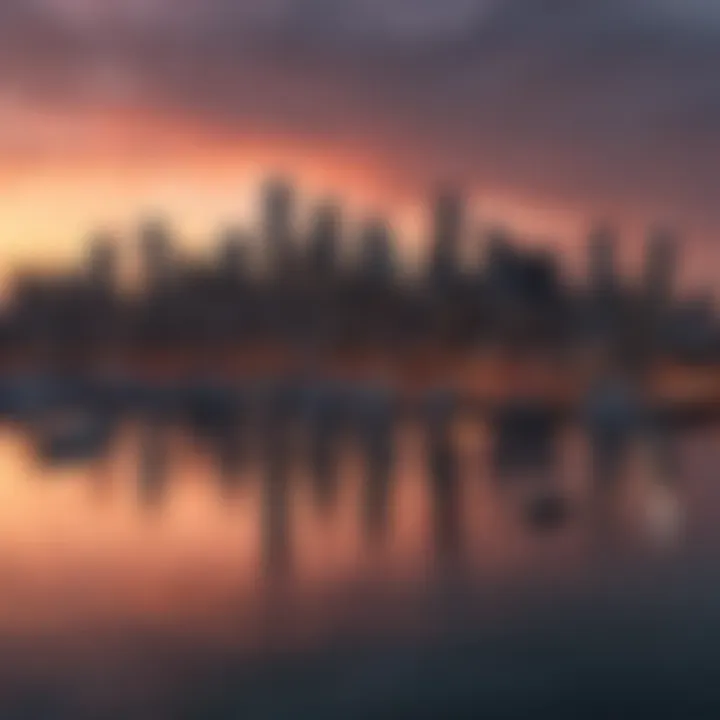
[(326, 437), (377, 446), (444, 475), (269, 571), (153, 463), (525, 463), (636, 479), (638, 472), (658, 476), (276, 486), (228, 449)]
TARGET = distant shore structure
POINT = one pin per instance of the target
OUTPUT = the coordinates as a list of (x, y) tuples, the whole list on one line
[(307, 302)]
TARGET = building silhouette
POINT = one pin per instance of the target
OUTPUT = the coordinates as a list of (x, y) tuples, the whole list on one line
[(157, 261), (232, 255), (661, 258), (324, 241), (377, 262), (314, 306), (447, 230), (278, 226), (602, 251), (102, 262)]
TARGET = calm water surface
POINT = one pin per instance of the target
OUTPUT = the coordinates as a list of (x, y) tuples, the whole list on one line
[(164, 581)]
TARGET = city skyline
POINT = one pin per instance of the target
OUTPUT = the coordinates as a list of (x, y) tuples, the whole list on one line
[(198, 216), (359, 358), (324, 238), (338, 298), (107, 111), (413, 235)]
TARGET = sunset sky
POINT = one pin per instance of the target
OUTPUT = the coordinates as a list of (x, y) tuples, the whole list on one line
[(551, 112)]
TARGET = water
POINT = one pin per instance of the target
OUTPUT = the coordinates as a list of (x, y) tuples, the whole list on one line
[(171, 579)]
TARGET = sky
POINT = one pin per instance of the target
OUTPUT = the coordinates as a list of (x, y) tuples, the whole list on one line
[(551, 114)]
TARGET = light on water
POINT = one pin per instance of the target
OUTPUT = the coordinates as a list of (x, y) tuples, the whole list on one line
[(161, 547)]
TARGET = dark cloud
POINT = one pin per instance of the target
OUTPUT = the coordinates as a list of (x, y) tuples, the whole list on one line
[(613, 102)]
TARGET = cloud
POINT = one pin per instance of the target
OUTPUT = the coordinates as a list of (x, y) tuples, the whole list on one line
[(616, 101)]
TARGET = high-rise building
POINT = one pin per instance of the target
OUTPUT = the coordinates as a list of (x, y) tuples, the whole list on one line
[(604, 319), (278, 207), (602, 246), (500, 264), (102, 262), (377, 255), (232, 254), (660, 266), (540, 277), (446, 235), (156, 252), (324, 240)]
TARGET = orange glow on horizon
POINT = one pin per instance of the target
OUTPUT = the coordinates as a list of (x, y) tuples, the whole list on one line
[(67, 176)]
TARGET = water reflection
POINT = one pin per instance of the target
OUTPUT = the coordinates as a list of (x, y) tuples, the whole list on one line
[(527, 464), (153, 463), (377, 447), (228, 451), (443, 464), (326, 437), (276, 516), (660, 478), (243, 553), (444, 475)]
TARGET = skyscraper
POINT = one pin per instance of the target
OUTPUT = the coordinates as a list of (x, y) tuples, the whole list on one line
[(232, 254), (156, 252), (659, 277), (446, 236), (278, 206), (325, 230), (601, 261), (102, 262), (660, 266), (605, 318), (377, 257), (500, 265)]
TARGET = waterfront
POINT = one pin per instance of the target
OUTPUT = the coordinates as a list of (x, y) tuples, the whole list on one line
[(155, 587)]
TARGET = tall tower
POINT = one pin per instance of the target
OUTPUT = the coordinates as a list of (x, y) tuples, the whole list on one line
[(102, 263), (232, 254), (325, 231), (660, 267), (278, 206), (446, 235), (500, 263), (156, 252), (378, 263), (658, 286), (602, 246)]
